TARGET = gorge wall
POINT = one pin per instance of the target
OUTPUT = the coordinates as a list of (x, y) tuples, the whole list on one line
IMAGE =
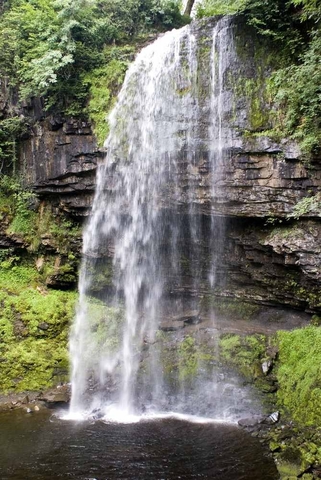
[(266, 202), (269, 257)]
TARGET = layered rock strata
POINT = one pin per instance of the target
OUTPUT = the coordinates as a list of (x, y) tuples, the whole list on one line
[(261, 181)]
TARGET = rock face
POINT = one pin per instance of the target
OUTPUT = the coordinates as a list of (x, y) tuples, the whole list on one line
[(59, 161), (261, 181), (276, 265)]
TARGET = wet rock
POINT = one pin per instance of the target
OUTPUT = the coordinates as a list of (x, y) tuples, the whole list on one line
[(259, 420), (262, 179), (96, 414), (251, 421), (170, 326), (173, 323), (57, 395), (266, 367), (272, 418), (60, 159)]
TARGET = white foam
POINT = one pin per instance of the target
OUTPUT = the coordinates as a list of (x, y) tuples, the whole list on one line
[(72, 416), (113, 414)]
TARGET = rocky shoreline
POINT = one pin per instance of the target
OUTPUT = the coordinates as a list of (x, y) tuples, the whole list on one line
[(34, 401)]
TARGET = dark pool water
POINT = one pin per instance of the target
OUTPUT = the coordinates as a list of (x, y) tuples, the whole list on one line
[(39, 446)]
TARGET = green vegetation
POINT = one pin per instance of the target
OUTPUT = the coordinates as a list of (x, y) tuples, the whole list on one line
[(188, 362), (20, 212), (297, 94), (311, 205), (296, 368), (33, 329), (104, 83), (73, 54), (234, 308), (299, 374), (16, 207), (49, 46), (105, 325), (11, 129), (292, 29), (245, 353), (183, 359), (207, 8), (191, 357)]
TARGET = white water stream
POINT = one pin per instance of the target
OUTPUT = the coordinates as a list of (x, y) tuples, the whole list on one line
[(155, 123)]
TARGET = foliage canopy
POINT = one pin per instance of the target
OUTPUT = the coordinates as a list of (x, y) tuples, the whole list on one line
[(49, 45)]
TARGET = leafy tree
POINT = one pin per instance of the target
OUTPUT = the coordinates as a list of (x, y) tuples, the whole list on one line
[(219, 7), (311, 9), (298, 94), (48, 45)]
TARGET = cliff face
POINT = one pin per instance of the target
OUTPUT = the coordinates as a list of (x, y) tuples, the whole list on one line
[(59, 160), (266, 258)]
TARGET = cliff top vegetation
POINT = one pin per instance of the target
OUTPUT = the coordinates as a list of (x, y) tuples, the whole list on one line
[(292, 29), (48, 46)]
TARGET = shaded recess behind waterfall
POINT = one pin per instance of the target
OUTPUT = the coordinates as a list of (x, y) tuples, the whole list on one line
[(167, 121)]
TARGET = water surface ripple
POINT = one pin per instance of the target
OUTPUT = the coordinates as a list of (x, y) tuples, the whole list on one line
[(43, 447)]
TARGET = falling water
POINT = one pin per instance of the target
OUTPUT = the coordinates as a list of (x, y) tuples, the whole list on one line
[(156, 132)]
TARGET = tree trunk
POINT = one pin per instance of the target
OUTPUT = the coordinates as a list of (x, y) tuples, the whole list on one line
[(188, 8)]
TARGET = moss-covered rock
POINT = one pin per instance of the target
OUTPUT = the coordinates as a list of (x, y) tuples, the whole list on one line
[(299, 374), (245, 353), (34, 324)]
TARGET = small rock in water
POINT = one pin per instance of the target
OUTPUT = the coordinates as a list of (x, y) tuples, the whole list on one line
[(259, 420), (251, 421), (266, 366), (271, 419), (36, 408), (96, 414)]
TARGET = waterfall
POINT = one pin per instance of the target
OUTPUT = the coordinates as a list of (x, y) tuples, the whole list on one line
[(133, 239)]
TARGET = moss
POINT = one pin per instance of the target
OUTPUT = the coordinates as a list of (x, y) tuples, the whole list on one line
[(60, 231), (245, 353), (19, 213), (311, 295), (30, 364), (105, 324), (25, 217), (104, 84), (33, 330), (254, 90), (182, 360), (232, 308), (283, 233), (307, 205), (287, 470), (294, 460), (316, 320), (99, 274), (188, 358), (299, 374)]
